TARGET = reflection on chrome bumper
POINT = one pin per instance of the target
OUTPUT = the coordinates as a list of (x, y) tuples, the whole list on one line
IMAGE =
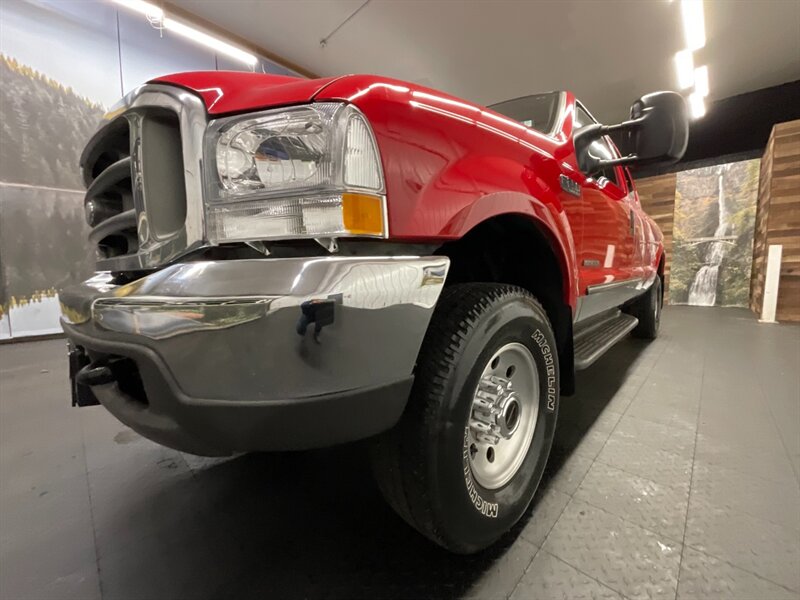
[(268, 329)]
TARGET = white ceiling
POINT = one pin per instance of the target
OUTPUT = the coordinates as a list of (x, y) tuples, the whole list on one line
[(608, 52)]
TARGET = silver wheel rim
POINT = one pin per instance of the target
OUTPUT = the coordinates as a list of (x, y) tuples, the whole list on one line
[(505, 409)]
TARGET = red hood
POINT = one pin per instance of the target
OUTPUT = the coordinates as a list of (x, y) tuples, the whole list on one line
[(234, 91)]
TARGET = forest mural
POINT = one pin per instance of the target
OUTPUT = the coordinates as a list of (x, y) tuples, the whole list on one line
[(43, 234), (45, 125), (62, 63), (715, 211)]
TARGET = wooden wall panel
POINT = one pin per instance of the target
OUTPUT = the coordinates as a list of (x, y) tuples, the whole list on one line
[(760, 232), (657, 196), (778, 220)]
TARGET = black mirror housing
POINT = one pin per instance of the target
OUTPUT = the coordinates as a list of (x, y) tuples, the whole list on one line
[(659, 128), (658, 133)]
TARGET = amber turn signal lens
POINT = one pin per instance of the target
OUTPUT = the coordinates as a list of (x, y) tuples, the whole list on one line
[(362, 214)]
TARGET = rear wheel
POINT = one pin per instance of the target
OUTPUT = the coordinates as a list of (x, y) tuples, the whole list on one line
[(647, 309), (464, 461)]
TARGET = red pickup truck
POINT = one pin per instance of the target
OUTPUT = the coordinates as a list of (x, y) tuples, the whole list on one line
[(286, 264)]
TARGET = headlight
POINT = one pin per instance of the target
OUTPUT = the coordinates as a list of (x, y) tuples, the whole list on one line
[(306, 171)]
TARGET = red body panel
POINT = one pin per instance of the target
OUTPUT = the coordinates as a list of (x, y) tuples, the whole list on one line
[(232, 91), (450, 164)]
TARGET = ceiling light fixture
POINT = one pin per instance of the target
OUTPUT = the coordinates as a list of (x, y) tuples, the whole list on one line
[(684, 64), (210, 41), (157, 18), (701, 81), (697, 107), (151, 11), (694, 26)]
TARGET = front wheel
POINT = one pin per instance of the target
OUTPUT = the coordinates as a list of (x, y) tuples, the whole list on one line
[(465, 460)]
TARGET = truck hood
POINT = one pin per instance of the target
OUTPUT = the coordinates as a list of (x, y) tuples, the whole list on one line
[(233, 91)]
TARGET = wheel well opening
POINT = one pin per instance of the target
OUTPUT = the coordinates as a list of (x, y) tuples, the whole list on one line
[(512, 249)]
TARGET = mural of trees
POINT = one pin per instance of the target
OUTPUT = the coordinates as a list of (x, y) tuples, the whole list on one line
[(43, 128), (38, 255)]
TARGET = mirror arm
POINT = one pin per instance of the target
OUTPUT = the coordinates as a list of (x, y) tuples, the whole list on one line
[(625, 160), (632, 124)]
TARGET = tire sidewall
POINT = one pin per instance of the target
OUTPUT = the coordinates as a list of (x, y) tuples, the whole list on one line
[(658, 303), (652, 319), (472, 516)]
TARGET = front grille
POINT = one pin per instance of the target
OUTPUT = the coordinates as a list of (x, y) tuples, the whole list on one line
[(109, 205), (136, 173)]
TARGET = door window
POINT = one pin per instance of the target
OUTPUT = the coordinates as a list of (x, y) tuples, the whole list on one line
[(539, 112)]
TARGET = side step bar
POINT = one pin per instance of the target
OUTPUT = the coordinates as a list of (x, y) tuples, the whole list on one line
[(594, 339)]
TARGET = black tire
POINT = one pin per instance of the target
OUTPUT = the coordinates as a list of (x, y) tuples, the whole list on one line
[(422, 464), (647, 309)]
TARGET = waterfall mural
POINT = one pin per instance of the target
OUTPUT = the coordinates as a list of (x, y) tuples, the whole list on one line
[(713, 234)]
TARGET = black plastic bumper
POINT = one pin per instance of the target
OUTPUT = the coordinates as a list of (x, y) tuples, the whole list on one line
[(142, 395)]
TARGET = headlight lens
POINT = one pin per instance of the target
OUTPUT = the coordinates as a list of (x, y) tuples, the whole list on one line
[(306, 171)]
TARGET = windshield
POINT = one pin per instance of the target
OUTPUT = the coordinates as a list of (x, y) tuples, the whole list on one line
[(538, 111)]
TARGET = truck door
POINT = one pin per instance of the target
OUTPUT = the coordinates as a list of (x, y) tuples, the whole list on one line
[(607, 265), (642, 236)]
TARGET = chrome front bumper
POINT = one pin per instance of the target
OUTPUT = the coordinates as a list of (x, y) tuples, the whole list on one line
[(242, 354)]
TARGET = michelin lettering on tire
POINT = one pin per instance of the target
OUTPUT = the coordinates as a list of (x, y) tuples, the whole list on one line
[(550, 368), (487, 509)]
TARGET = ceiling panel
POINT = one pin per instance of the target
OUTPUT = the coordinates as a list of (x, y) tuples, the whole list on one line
[(607, 52)]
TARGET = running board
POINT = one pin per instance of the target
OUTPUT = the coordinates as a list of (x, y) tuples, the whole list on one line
[(594, 340)]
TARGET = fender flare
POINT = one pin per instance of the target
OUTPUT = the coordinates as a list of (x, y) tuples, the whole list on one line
[(554, 228)]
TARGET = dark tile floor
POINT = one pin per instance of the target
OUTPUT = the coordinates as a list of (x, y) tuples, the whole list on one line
[(674, 474)]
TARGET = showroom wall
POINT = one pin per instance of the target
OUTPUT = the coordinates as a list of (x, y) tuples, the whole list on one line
[(62, 64), (763, 207), (778, 220), (657, 196)]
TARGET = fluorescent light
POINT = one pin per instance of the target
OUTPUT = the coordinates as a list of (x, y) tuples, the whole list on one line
[(151, 11), (684, 64), (696, 105), (701, 81), (694, 25), (207, 40)]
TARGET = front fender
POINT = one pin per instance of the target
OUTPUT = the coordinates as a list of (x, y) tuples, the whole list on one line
[(450, 164), (553, 226)]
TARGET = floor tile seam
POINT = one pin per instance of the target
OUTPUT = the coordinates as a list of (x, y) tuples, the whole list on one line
[(627, 521), (585, 574), (741, 568), (780, 433), (694, 458), (91, 512), (527, 567), (638, 476)]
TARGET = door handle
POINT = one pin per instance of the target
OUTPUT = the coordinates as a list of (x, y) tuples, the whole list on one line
[(633, 223)]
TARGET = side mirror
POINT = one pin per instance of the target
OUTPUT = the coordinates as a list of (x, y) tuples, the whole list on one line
[(658, 132)]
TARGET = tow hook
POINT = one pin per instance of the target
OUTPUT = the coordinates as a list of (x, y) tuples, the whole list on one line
[(94, 374), (318, 312)]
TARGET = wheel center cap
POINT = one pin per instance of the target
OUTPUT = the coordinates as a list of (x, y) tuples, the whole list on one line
[(509, 418), (495, 410)]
